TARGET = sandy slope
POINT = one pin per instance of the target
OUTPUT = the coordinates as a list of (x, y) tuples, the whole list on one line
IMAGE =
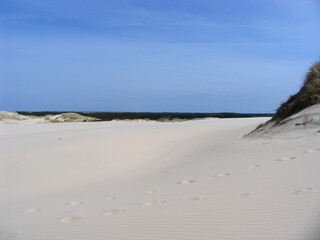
[(150, 180)]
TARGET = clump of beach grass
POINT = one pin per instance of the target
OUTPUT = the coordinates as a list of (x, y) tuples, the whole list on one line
[(11, 115), (69, 117), (308, 95)]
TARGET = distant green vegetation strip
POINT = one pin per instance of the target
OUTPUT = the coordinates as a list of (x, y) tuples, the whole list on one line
[(165, 116)]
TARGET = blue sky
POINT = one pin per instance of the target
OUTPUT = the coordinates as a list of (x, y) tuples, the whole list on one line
[(155, 55)]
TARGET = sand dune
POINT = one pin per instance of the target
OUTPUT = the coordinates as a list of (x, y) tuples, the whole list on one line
[(308, 118), (14, 118), (150, 180)]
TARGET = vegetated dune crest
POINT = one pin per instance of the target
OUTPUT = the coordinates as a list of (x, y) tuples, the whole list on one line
[(10, 115), (301, 110), (14, 117)]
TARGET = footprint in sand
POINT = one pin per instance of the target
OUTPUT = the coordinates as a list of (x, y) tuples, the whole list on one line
[(197, 199), (253, 167), (115, 211), (111, 198), (312, 150), (7, 236), (248, 195), (186, 181), (303, 191), (151, 192), (285, 159), (222, 175), (155, 202), (75, 203), (32, 210), (70, 219)]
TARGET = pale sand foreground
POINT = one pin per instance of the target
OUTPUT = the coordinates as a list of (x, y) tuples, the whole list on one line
[(149, 180)]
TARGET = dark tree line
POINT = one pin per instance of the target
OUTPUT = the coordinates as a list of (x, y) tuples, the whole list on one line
[(166, 116)]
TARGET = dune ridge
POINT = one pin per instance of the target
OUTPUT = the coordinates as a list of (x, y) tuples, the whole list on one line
[(11, 117)]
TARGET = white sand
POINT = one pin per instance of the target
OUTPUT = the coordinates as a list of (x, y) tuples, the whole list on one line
[(149, 180)]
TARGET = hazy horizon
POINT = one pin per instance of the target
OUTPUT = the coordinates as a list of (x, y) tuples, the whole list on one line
[(155, 56)]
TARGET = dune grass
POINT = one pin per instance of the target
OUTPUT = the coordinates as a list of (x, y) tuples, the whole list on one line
[(69, 117), (308, 95), (11, 115)]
